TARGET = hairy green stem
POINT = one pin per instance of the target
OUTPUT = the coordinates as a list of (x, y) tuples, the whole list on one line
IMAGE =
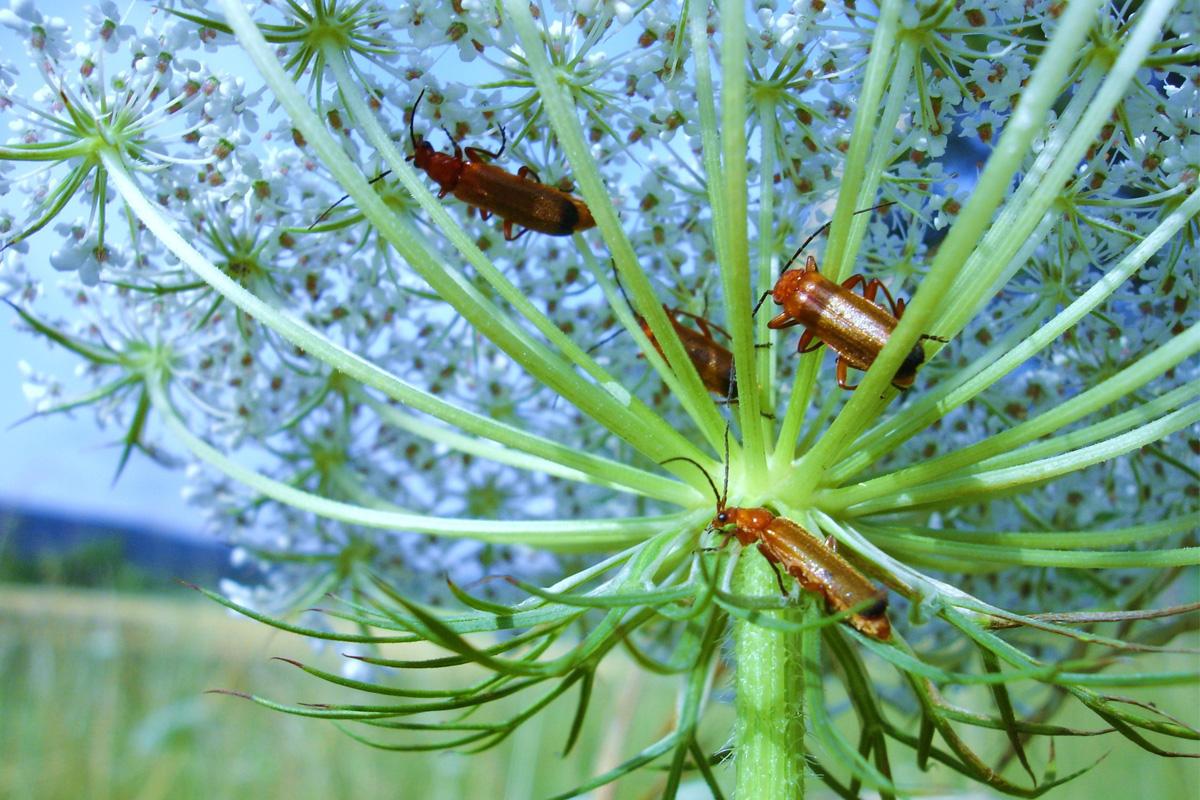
[(769, 736)]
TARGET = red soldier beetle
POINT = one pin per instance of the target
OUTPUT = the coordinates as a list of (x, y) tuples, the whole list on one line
[(855, 327), (521, 200), (817, 567), (712, 360)]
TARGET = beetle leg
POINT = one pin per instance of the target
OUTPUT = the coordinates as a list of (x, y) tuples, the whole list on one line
[(872, 288), (899, 312), (478, 154), (805, 344), (503, 143), (705, 326), (484, 214), (528, 174), (508, 234), (809, 584), (855, 280), (762, 548), (783, 320), (841, 375)]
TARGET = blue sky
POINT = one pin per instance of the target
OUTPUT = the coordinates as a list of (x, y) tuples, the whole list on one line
[(67, 463)]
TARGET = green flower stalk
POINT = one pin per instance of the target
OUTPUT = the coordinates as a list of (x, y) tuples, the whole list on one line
[(388, 405)]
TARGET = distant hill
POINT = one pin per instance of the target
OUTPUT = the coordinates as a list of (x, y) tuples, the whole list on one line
[(42, 546)]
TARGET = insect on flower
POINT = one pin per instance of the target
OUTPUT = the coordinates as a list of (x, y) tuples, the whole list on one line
[(521, 200), (816, 566), (712, 360), (856, 328)]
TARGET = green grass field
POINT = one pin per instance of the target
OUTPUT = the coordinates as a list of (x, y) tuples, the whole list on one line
[(101, 696)]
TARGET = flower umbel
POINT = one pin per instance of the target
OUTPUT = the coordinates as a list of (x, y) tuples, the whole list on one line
[(387, 391)]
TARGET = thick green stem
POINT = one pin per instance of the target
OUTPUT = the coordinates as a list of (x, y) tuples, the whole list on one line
[(769, 739)]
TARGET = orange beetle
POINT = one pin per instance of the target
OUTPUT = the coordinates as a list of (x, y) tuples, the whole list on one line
[(816, 567), (856, 328), (713, 361), (520, 200)]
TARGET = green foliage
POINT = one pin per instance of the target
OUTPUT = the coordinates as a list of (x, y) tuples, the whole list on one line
[(95, 563)]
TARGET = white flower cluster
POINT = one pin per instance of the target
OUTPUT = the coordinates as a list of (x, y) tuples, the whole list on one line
[(170, 88)]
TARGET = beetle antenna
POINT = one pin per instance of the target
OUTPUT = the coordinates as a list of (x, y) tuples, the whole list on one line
[(346, 197), (825, 227), (707, 477), (605, 340), (503, 142), (412, 133), (765, 295), (617, 281), (725, 486)]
